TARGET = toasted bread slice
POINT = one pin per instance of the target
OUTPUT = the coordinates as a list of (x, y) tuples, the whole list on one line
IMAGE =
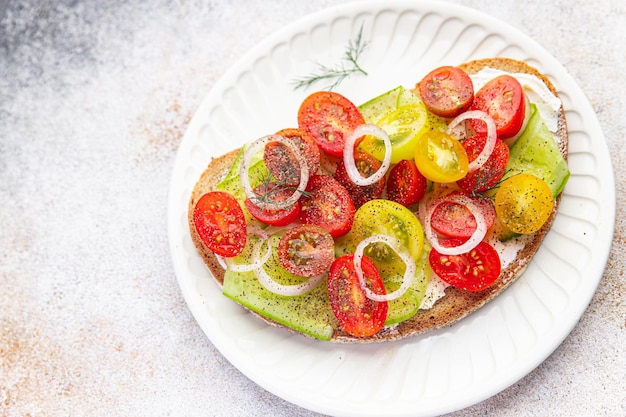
[(457, 303)]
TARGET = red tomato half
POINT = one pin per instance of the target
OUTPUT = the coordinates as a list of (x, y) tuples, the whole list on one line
[(471, 271), (406, 185), (329, 118), (455, 220), (367, 165), (306, 250), (274, 194), (446, 91), (488, 175), (357, 314), (220, 223), (283, 164), (503, 99), (328, 204)]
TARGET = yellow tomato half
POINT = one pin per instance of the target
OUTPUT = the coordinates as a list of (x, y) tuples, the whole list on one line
[(524, 203), (441, 157)]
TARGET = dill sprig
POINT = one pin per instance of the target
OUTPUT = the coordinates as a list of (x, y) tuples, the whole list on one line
[(486, 183), (269, 188), (348, 66), (485, 180)]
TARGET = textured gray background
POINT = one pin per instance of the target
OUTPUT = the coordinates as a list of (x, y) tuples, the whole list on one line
[(94, 99)]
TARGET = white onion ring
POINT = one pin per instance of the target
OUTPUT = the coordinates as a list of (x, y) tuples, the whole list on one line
[(288, 290), (490, 144), (395, 244), (259, 145), (478, 235), (348, 154), (428, 199), (257, 260), (221, 260)]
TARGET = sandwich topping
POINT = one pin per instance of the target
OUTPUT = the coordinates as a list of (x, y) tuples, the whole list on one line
[(361, 216)]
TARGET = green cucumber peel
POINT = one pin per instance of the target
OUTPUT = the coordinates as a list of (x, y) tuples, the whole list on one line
[(536, 152), (309, 313)]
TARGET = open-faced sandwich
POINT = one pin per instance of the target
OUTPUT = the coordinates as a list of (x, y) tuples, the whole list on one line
[(386, 220)]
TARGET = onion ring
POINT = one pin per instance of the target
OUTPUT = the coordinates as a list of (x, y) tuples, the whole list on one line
[(257, 146), (490, 144), (257, 260), (478, 235), (395, 244), (287, 290), (348, 154), (221, 260)]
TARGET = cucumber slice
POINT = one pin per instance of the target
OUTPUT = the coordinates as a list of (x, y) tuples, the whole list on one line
[(405, 306), (378, 107), (234, 169), (308, 313), (536, 152), (232, 184)]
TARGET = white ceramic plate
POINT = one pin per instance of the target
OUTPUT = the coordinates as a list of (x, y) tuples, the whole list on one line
[(442, 371)]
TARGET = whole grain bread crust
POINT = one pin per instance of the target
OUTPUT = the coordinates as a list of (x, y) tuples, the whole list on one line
[(457, 303)]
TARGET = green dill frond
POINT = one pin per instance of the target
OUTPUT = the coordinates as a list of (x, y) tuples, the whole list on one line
[(486, 179), (338, 73), (269, 188)]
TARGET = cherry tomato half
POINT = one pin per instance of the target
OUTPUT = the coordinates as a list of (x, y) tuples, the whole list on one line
[(283, 164), (488, 175), (447, 91), (441, 157), (357, 314), (472, 271), (503, 99), (276, 194), (306, 250), (328, 204), (329, 118), (524, 203), (220, 223), (405, 184), (455, 220), (367, 165)]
